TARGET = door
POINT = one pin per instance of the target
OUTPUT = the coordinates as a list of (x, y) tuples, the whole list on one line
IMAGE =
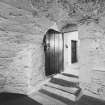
[(53, 48), (73, 51)]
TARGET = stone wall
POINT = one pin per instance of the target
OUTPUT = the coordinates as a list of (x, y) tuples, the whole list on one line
[(21, 50), (38, 65), (18, 71), (21, 65), (92, 59)]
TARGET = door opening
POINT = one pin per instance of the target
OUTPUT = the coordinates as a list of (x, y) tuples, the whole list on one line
[(71, 45)]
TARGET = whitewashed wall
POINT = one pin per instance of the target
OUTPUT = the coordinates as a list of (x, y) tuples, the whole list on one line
[(92, 59)]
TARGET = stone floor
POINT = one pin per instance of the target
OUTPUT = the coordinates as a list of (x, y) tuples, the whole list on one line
[(61, 89), (18, 99)]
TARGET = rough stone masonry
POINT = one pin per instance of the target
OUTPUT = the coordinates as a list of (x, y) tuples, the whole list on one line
[(21, 50), (92, 59), (22, 26)]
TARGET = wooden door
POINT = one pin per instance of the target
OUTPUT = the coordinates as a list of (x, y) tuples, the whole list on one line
[(53, 48)]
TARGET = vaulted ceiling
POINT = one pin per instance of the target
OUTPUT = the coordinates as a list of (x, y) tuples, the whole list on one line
[(73, 11), (62, 11)]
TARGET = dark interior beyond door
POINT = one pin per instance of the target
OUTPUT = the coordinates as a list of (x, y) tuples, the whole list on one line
[(53, 47), (73, 51)]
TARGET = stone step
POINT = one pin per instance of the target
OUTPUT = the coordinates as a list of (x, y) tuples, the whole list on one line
[(72, 90), (74, 72), (70, 75), (63, 82), (45, 99), (58, 97), (67, 78), (58, 92)]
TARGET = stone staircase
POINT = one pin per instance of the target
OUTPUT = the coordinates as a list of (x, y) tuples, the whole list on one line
[(62, 89)]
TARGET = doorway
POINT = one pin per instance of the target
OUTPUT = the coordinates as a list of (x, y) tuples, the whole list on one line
[(71, 44), (53, 48)]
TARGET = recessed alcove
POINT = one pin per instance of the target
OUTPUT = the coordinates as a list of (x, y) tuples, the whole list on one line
[(61, 50)]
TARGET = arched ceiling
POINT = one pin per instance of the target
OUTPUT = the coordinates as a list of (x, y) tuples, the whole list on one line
[(77, 10), (62, 12)]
